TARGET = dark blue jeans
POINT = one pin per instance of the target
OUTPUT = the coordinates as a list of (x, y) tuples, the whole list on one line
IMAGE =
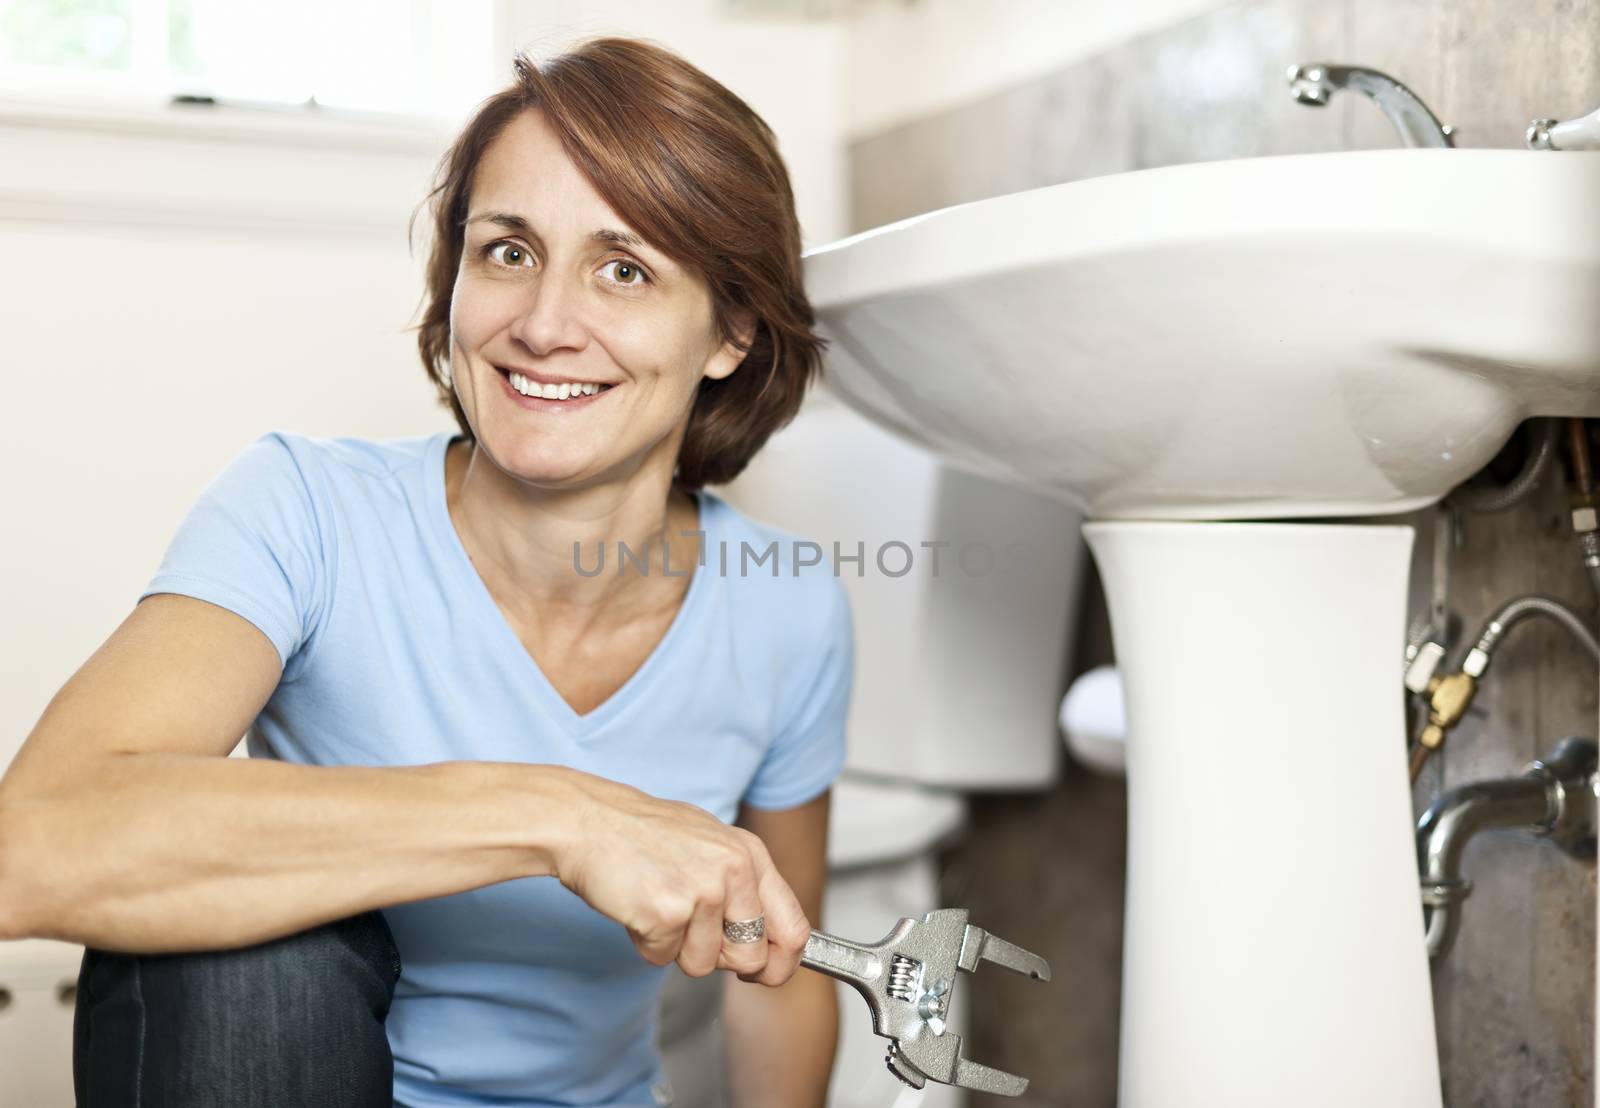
[(297, 1022)]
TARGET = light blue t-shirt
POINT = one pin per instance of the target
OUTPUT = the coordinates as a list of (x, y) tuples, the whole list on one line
[(342, 551)]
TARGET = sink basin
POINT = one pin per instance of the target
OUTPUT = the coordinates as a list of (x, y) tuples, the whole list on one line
[(1200, 358), (1308, 335)]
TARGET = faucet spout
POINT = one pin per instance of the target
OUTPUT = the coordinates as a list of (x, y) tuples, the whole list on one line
[(1316, 82)]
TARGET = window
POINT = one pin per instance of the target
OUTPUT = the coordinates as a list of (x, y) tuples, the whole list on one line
[(407, 57)]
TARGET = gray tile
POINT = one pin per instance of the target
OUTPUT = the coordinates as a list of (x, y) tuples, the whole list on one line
[(1214, 87), (1084, 128), (1504, 65), (1405, 39), (897, 174), (1515, 997)]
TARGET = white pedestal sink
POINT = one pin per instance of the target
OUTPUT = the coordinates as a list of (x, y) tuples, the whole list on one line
[(1267, 339), (1273, 937)]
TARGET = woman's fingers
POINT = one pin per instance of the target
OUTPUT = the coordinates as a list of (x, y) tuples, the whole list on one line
[(786, 925), (673, 874), (744, 904), (787, 931), (702, 939), (660, 943), (655, 950)]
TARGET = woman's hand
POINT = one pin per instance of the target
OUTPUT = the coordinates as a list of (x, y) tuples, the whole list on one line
[(671, 873)]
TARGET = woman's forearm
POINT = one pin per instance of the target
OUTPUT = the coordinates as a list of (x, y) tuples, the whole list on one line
[(781, 1042), (158, 852)]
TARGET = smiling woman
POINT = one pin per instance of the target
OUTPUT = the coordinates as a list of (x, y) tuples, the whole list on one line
[(668, 164), (490, 797), (544, 287)]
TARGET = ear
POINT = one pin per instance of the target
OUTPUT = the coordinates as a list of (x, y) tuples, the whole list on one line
[(728, 356)]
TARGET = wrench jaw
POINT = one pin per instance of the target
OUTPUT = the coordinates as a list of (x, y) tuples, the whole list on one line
[(906, 979), (978, 945), (904, 1070), (938, 1058)]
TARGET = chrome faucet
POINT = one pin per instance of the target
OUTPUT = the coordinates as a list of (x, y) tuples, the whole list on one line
[(1316, 82), (1574, 134)]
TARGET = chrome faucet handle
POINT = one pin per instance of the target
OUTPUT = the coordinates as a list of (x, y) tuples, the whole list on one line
[(907, 977), (1582, 133), (1314, 84)]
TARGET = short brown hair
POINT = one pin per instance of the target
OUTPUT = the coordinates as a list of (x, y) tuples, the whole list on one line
[(696, 172)]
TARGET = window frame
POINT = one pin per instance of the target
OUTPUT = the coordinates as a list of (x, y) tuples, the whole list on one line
[(143, 98)]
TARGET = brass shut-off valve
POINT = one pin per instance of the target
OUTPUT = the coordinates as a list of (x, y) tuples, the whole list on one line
[(1448, 700)]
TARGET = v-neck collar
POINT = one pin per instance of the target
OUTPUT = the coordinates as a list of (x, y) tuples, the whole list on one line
[(478, 596)]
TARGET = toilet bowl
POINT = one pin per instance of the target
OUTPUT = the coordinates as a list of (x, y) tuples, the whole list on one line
[(883, 840)]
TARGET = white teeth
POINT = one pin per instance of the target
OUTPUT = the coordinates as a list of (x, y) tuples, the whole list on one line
[(552, 392)]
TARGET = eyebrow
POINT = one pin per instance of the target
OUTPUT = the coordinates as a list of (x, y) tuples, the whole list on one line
[(513, 222)]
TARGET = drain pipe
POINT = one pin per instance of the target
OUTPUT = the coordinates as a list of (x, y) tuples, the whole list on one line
[(1554, 798)]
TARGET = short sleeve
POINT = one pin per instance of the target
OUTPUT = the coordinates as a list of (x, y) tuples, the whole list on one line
[(255, 543), (809, 751)]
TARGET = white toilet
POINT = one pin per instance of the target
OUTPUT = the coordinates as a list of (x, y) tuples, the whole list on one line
[(958, 676)]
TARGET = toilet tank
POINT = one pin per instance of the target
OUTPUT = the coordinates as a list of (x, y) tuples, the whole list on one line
[(961, 662)]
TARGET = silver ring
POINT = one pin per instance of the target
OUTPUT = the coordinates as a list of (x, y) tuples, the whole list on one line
[(745, 930)]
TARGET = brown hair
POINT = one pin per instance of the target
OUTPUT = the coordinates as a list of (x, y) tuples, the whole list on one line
[(697, 173)]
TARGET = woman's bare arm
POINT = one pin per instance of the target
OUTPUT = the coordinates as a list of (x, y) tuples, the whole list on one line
[(165, 852), (124, 825), (781, 1042)]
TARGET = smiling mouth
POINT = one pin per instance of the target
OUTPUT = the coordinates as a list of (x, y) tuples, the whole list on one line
[(574, 390)]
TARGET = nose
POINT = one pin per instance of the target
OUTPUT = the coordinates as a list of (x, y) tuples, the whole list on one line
[(552, 319)]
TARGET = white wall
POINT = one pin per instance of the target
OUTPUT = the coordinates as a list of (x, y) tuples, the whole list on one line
[(171, 292)]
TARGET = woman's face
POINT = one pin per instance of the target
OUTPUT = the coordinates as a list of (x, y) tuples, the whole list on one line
[(553, 284)]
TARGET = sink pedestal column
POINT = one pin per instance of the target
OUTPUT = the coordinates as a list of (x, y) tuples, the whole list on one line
[(1274, 948)]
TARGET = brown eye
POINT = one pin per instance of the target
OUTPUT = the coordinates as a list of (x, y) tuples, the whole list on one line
[(509, 253), (627, 273)]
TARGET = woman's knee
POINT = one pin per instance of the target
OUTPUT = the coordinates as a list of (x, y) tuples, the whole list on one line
[(294, 1021)]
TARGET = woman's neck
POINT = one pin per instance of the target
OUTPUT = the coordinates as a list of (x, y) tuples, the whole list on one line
[(522, 541)]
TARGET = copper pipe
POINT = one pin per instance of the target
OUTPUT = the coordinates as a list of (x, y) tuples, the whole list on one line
[(1578, 441), (1419, 757)]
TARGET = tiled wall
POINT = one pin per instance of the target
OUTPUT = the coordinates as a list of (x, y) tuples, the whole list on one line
[(1213, 87), (1515, 1000)]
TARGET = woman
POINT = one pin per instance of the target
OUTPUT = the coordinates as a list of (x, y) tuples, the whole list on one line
[(494, 793)]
